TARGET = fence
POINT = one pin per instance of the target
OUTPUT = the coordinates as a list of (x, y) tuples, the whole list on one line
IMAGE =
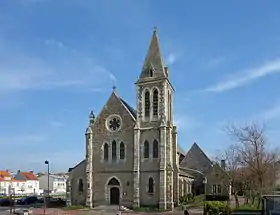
[(271, 204)]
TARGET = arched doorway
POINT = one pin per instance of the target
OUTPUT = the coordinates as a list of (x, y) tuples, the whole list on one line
[(114, 196), (114, 191)]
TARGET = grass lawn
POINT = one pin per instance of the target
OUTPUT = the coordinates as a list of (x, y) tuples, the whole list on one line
[(247, 207)]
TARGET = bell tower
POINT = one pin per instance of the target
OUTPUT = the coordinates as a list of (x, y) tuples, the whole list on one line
[(155, 124)]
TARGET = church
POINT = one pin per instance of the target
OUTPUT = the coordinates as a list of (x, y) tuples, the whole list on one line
[(132, 155)]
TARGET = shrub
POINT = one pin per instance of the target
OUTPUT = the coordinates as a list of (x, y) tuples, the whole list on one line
[(186, 198), (217, 207)]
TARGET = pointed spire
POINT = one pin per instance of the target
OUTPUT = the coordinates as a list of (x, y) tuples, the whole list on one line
[(153, 65), (91, 117)]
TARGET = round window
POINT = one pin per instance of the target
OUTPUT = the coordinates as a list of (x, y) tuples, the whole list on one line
[(114, 123)]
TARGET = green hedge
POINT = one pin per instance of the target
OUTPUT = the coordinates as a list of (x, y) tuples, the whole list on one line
[(217, 207)]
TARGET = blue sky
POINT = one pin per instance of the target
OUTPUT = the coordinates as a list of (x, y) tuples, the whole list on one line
[(60, 58)]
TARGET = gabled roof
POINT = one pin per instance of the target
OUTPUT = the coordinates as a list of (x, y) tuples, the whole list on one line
[(70, 169), (29, 176), (132, 111), (196, 159), (4, 175)]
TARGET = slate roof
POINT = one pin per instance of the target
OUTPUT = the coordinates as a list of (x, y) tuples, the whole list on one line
[(153, 60), (196, 159), (70, 169), (130, 109)]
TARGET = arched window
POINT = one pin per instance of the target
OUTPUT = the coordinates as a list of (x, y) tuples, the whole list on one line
[(146, 149), (151, 185), (114, 182), (80, 186), (147, 104), (122, 151), (155, 102), (155, 149), (114, 150), (106, 152), (151, 72)]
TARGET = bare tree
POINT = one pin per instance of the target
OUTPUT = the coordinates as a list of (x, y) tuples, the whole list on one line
[(253, 156), (231, 158)]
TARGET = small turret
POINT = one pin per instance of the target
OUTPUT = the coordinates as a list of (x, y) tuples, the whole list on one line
[(91, 118), (88, 130)]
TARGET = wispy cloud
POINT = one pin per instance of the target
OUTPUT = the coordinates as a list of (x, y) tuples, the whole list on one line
[(214, 62), (270, 114), (246, 77), (52, 42), (171, 58), (21, 71)]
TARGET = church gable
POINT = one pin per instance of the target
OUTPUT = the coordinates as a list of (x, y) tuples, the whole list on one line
[(126, 115), (196, 159)]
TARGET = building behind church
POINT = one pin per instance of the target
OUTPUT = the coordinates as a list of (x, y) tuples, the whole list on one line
[(133, 157)]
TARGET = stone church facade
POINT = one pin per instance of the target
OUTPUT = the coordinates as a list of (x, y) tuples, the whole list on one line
[(132, 156)]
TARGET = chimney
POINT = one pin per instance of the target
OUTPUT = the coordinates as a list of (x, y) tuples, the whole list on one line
[(223, 164), (31, 171), (7, 170)]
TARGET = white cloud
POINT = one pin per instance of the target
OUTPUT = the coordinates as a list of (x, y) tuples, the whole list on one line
[(246, 77), (69, 69), (271, 114), (52, 42), (171, 59), (216, 61)]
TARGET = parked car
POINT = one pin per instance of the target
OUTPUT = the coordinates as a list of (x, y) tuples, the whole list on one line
[(41, 200), (27, 200), (6, 202), (56, 203)]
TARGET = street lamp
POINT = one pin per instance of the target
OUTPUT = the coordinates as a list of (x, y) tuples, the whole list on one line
[(48, 165)]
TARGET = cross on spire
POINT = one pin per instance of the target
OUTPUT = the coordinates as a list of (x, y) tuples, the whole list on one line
[(155, 28)]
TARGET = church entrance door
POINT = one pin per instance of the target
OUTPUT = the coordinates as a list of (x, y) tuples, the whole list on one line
[(114, 196)]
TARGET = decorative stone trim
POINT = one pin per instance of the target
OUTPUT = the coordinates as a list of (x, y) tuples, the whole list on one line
[(111, 117), (143, 99), (108, 187)]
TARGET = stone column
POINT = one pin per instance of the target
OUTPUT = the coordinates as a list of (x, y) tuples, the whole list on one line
[(136, 167), (89, 169), (169, 163), (69, 191), (162, 176), (175, 166)]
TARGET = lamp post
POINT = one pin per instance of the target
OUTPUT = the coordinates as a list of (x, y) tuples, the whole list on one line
[(205, 185), (48, 172)]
